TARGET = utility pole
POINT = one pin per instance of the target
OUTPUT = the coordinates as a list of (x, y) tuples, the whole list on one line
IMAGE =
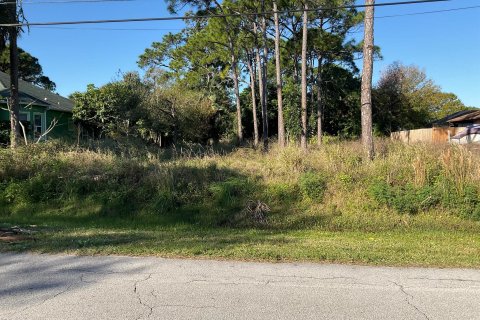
[(366, 94), (319, 102), (303, 137), (281, 124), (264, 82)]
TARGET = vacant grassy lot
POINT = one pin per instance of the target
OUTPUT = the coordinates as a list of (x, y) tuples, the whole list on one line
[(413, 205)]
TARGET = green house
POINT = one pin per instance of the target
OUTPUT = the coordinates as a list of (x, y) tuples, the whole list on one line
[(40, 110)]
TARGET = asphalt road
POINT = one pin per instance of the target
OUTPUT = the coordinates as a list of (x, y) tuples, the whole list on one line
[(72, 287)]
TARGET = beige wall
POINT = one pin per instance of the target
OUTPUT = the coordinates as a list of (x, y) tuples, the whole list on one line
[(440, 134)]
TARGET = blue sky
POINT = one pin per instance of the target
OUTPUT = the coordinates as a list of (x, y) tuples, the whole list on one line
[(446, 45)]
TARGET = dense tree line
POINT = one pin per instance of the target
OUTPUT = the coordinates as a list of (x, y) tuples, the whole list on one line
[(275, 72), (287, 69)]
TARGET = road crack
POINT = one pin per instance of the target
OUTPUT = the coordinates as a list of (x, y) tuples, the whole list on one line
[(44, 300), (139, 297), (185, 306), (408, 298), (447, 279), (308, 277)]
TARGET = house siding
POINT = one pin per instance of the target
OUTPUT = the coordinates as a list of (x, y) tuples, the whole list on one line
[(64, 128)]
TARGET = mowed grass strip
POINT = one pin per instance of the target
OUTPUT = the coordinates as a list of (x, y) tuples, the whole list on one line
[(397, 248)]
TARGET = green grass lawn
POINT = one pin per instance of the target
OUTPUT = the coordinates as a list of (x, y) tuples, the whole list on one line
[(395, 248)]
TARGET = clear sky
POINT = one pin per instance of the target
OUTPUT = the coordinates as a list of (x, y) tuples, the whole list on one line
[(446, 45)]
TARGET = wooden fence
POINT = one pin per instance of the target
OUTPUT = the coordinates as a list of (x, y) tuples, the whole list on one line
[(439, 135)]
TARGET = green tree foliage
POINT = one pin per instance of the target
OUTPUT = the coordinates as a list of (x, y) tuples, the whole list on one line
[(203, 74), (158, 113), (195, 64), (405, 98), (181, 114), (111, 109), (341, 89), (29, 68)]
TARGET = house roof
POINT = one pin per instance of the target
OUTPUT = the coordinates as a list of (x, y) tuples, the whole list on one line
[(29, 93), (454, 117), (474, 115)]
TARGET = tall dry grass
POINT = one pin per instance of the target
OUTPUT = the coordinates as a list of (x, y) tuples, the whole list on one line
[(330, 187)]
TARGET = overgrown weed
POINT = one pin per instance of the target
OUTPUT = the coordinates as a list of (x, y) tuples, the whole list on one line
[(330, 187)]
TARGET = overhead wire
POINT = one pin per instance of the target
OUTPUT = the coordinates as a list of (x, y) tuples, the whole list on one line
[(62, 2), (167, 29), (427, 12), (200, 17)]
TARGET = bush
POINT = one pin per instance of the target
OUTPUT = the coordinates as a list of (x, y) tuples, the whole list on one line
[(312, 185), (465, 202), (229, 193), (4, 132), (405, 199), (282, 192)]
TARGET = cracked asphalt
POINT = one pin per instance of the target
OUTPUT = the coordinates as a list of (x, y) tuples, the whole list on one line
[(75, 287)]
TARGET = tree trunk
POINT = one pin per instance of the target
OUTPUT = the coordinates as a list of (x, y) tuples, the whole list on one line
[(264, 88), (237, 98), (319, 102), (281, 124), (13, 103), (261, 89), (303, 138), (254, 99), (311, 81), (366, 94), (295, 68), (173, 114)]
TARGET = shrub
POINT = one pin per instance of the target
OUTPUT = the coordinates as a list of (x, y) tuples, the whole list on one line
[(405, 199), (282, 192), (4, 132), (312, 185), (465, 202), (345, 178), (229, 193), (164, 201), (13, 192)]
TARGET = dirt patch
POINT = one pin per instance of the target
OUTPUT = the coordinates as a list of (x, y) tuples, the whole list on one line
[(16, 234)]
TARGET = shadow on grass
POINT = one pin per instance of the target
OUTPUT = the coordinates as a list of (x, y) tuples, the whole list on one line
[(171, 242), (134, 209)]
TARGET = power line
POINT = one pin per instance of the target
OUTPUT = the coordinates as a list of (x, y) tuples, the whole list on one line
[(108, 29), (64, 1), (166, 29), (213, 15), (426, 12), (176, 29)]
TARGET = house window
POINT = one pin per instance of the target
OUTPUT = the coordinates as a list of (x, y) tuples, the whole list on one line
[(38, 124), (24, 116)]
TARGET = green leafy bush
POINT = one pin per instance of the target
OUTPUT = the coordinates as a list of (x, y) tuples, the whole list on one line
[(282, 192), (230, 192), (465, 202), (405, 199), (312, 185)]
